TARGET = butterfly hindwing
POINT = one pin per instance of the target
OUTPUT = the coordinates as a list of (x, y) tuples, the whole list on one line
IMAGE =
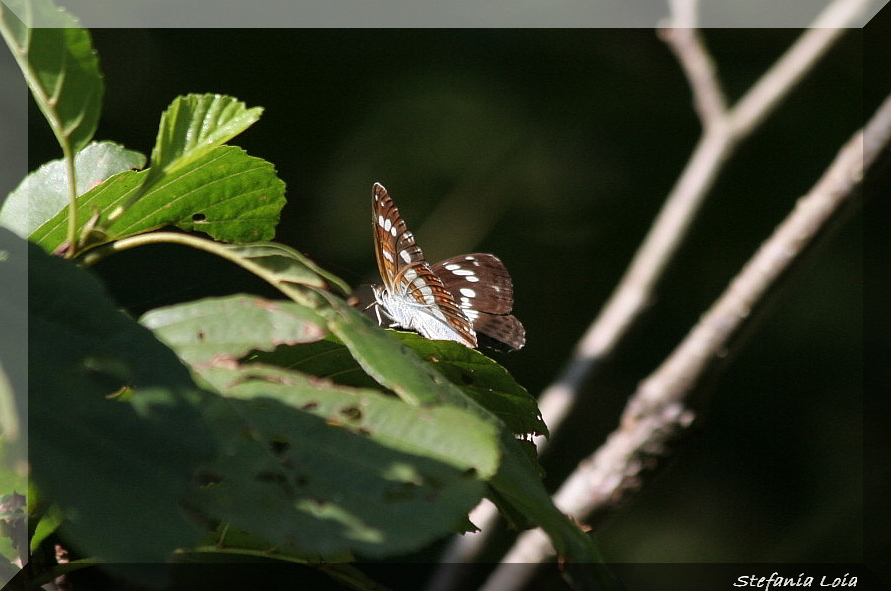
[(483, 289)]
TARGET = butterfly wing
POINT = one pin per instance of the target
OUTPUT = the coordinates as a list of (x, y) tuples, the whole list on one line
[(404, 270)]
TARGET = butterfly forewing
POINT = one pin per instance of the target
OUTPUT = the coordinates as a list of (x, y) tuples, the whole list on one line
[(412, 295)]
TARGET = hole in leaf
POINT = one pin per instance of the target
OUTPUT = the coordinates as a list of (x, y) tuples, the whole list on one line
[(279, 446), (466, 378), (198, 217), (273, 477)]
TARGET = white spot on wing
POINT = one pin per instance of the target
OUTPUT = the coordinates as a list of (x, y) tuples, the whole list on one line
[(410, 275), (403, 254), (473, 279), (452, 266), (467, 292), (463, 272), (380, 221), (387, 225), (387, 255), (393, 231)]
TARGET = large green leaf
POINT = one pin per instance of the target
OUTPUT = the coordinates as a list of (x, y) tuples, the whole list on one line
[(117, 466), (215, 335), (312, 467), (44, 193), (317, 472), (60, 65), (517, 486), (226, 194), (478, 376)]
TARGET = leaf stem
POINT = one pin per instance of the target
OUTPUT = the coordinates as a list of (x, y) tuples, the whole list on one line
[(72, 199), (297, 294)]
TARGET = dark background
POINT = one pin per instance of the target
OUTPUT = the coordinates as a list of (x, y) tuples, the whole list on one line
[(555, 150)]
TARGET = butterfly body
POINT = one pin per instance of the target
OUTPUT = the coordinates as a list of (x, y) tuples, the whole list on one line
[(452, 300), (425, 319)]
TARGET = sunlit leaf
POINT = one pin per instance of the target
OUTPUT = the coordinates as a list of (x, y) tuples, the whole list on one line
[(192, 126), (44, 193), (227, 194), (60, 66)]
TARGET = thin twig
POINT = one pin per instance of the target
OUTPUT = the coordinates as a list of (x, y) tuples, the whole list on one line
[(635, 289), (682, 36), (721, 135), (659, 410)]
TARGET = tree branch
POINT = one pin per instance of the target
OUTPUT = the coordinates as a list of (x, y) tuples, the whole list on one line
[(723, 130), (659, 411), (682, 36)]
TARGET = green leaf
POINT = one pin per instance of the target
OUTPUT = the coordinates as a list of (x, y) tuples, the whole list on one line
[(13, 369), (318, 470), (230, 327), (479, 377), (44, 193), (60, 66), (283, 266), (216, 332), (48, 523), (393, 364), (227, 194), (116, 466), (483, 380), (517, 486), (192, 126)]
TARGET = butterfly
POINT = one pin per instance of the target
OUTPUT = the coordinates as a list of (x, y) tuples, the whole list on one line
[(467, 298)]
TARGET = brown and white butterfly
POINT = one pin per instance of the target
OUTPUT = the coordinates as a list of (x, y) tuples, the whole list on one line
[(467, 298)]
